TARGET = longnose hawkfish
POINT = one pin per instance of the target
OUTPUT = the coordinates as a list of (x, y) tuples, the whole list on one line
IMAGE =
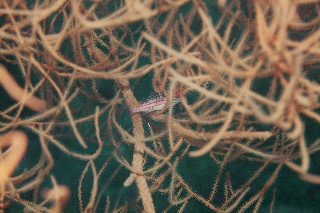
[(155, 103)]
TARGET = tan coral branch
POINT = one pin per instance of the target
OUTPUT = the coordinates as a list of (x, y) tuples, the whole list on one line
[(19, 94)]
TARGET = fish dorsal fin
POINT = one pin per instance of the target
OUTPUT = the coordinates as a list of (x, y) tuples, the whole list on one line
[(152, 95)]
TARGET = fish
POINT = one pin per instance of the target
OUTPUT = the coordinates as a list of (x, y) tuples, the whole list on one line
[(155, 103)]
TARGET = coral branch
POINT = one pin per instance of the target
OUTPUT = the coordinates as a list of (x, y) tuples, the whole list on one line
[(19, 94), (17, 142)]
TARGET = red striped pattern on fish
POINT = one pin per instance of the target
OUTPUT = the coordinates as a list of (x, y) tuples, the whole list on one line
[(153, 104)]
